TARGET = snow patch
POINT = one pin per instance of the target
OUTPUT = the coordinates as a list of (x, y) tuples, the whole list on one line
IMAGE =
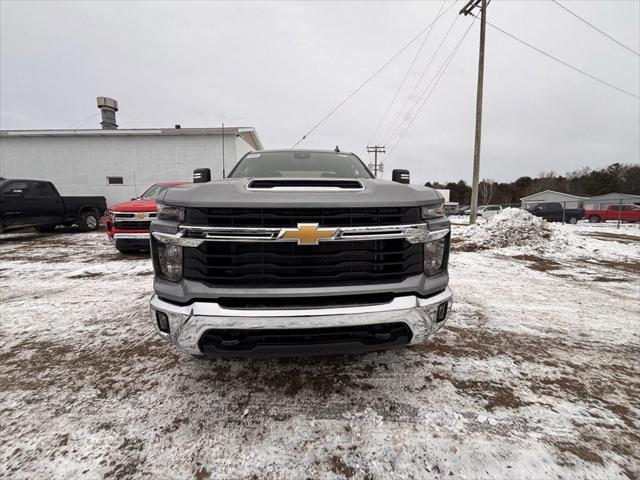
[(512, 227)]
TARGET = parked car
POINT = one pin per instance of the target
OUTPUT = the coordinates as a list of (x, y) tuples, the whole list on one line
[(489, 211), (299, 252), (626, 213), (554, 212), (128, 222), (450, 210), (37, 203)]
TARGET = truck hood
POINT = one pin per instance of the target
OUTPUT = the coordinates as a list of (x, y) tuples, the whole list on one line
[(138, 205), (234, 192)]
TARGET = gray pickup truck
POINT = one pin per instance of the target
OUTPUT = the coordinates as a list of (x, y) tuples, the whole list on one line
[(299, 252)]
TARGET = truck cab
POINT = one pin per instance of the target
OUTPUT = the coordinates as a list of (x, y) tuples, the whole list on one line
[(299, 252)]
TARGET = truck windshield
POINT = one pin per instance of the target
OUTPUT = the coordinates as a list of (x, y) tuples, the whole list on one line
[(300, 164), (154, 190)]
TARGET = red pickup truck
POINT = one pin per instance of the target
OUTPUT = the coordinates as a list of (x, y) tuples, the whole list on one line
[(626, 213), (128, 222)]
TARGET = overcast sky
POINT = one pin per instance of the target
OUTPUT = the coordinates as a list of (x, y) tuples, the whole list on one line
[(281, 66)]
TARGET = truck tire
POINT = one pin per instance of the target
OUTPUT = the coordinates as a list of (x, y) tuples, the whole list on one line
[(595, 219), (572, 220), (45, 228), (88, 221)]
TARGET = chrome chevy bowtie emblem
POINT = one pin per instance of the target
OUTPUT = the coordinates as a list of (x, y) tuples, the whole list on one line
[(308, 233)]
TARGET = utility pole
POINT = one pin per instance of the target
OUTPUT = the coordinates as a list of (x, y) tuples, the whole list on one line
[(224, 174), (467, 10), (375, 150)]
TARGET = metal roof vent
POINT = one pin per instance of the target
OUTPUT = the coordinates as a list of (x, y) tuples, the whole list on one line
[(108, 107)]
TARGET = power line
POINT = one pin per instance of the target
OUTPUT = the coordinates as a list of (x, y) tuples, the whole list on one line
[(83, 121), (385, 65), (593, 77), (595, 28), (387, 137), (393, 128), (433, 83), (426, 37)]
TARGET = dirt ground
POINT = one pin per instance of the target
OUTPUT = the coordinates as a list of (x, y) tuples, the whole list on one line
[(535, 376)]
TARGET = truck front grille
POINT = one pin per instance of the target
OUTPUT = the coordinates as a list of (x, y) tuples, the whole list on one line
[(132, 225), (305, 340), (264, 264), (290, 217)]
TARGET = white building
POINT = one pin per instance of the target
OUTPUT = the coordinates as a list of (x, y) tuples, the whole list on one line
[(580, 201), (572, 201), (602, 202), (118, 163)]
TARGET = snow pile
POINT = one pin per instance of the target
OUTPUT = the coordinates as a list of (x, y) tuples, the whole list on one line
[(512, 227)]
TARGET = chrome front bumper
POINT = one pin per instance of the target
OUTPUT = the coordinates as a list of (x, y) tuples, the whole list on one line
[(189, 323), (131, 236)]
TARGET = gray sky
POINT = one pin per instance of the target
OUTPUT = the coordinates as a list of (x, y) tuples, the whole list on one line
[(281, 66)]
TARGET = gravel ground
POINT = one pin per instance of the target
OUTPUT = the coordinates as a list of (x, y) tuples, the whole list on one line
[(535, 376)]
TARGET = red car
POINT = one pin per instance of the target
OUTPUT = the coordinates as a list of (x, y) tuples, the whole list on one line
[(128, 222), (626, 213)]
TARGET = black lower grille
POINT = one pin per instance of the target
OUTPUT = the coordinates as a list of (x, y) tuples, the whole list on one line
[(267, 264), (305, 340), (305, 302), (130, 225), (290, 217)]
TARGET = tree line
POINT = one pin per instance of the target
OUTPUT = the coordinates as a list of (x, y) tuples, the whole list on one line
[(617, 177)]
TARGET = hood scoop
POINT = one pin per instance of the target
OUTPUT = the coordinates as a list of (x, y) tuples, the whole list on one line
[(315, 184)]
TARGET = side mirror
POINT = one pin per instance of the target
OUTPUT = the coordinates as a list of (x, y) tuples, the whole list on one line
[(201, 175), (400, 176)]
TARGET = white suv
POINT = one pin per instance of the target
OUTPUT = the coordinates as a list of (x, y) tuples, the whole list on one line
[(489, 211)]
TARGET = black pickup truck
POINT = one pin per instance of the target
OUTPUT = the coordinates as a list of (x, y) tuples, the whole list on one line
[(554, 212), (37, 203)]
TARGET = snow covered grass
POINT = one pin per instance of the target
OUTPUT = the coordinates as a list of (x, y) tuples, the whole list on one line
[(535, 375)]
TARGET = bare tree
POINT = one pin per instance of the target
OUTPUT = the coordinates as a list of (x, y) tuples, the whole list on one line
[(486, 189), (546, 181)]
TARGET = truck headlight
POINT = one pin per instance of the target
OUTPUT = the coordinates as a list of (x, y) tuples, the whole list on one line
[(169, 260), (170, 213), (434, 255), (433, 211)]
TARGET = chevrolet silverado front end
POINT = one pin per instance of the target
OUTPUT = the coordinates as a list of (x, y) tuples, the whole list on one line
[(297, 253), (128, 222)]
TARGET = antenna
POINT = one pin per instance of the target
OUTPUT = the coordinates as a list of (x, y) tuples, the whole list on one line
[(223, 172)]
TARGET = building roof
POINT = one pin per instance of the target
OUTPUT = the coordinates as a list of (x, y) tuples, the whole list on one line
[(557, 193), (616, 195), (248, 134)]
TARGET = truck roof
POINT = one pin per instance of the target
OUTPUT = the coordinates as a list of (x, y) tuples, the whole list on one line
[(171, 183), (310, 150), (3, 179)]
